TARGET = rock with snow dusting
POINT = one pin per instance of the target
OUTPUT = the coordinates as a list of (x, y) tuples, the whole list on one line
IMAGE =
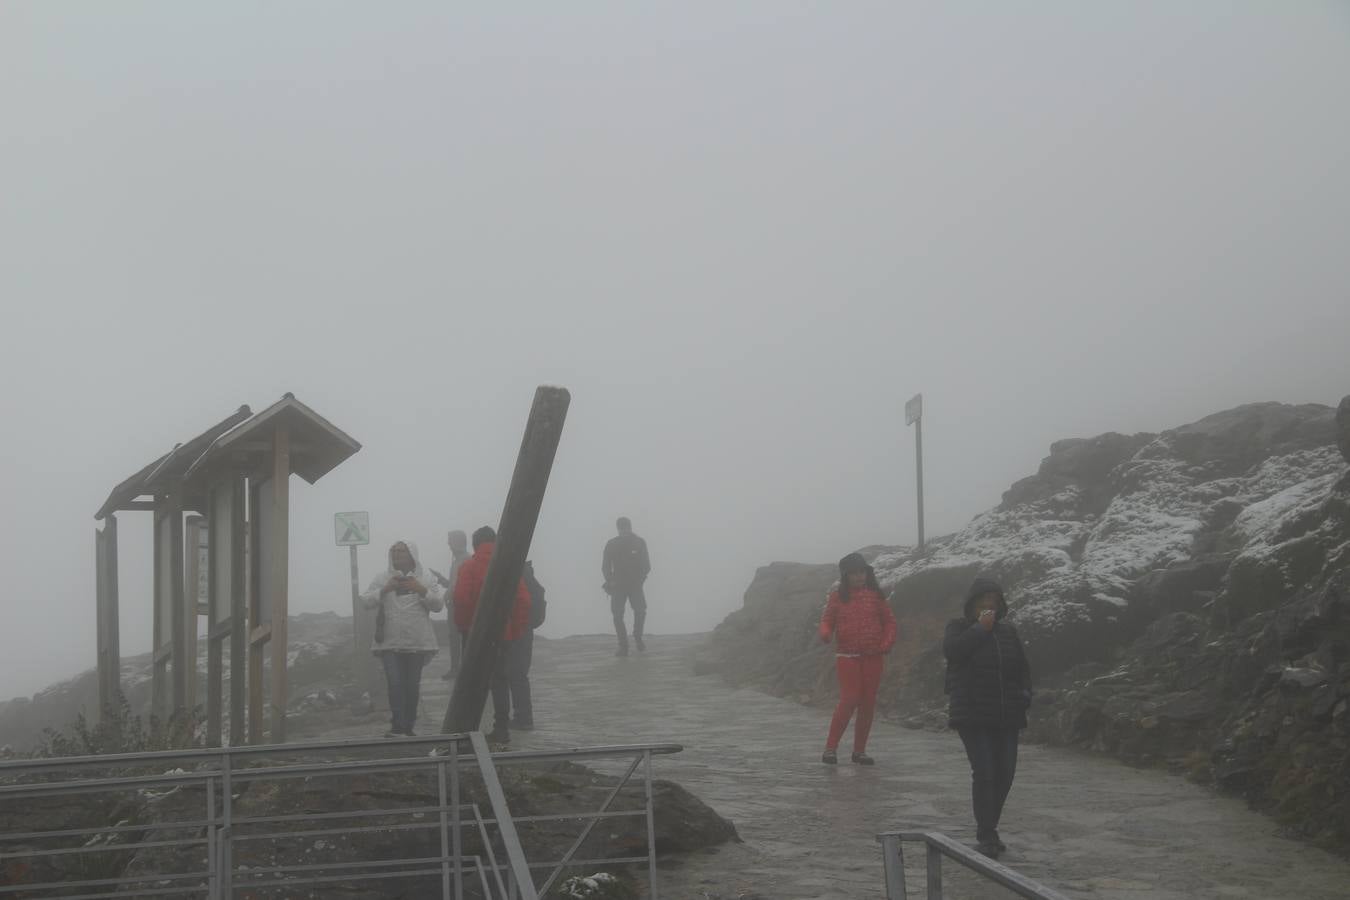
[(1177, 594)]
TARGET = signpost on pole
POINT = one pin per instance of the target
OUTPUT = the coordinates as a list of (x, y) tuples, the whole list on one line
[(914, 416), (352, 530)]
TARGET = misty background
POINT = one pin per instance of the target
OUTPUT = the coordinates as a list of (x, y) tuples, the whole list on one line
[(742, 235)]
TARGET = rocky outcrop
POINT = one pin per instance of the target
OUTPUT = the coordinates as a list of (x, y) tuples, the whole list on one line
[(1158, 581)]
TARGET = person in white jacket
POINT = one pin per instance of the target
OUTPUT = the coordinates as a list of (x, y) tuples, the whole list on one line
[(405, 596)]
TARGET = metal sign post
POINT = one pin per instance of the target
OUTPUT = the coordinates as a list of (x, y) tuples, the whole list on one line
[(914, 416), (352, 530)]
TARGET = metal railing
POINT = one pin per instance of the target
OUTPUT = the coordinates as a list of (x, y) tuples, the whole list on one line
[(938, 845), (201, 788)]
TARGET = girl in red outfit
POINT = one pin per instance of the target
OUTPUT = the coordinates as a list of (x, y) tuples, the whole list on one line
[(858, 617)]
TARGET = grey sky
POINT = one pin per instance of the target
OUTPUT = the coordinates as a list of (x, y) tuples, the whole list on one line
[(741, 235)]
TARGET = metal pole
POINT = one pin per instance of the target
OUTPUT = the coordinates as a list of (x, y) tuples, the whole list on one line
[(934, 873), (893, 859), (918, 458), (543, 431)]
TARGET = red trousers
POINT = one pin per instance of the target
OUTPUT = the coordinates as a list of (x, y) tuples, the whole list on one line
[(859, 678)]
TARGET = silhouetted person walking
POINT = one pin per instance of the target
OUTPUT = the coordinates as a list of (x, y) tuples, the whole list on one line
[(989, 680), (625, 566)]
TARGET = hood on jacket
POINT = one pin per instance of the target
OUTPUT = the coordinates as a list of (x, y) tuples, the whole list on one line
[(412, 550), (979, 588)]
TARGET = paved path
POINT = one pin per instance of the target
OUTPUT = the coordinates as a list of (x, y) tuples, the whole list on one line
[(1085, 825)]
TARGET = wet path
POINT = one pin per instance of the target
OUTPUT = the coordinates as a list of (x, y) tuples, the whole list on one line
[(1084, 825)]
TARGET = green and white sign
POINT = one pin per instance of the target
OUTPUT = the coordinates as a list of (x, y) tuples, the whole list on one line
[(351, 529)]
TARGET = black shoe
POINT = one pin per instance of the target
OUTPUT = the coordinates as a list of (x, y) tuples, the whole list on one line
[(988, 848), (409, 733), (499, 736), (863, 759), (829, 758), (640, 646), (998, 842)]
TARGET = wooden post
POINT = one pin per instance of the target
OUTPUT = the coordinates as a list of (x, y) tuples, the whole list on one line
[(196, 528), (514, 534), (281, 479), (255, 626), (112, 617), (100, 623), (158, 692), (238, 619), (178, 612)]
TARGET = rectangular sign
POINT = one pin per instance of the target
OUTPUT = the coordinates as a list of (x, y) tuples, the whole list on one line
[(914, 409), (351, 529)]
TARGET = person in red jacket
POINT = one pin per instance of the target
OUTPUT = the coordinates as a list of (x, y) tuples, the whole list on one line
[(468, 585), (859, 620)]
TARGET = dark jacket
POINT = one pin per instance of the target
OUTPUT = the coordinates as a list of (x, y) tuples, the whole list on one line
[(625, 564), (988, 676)]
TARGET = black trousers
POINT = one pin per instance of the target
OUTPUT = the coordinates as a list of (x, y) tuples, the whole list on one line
[(501, 689), (519, 655), (618, 602), (993, 762), (403, 675)]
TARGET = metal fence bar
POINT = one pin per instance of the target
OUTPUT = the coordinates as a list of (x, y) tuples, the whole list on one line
[(445, 832), (212, 863), (219, 767), (590, 826), (651, 826), (514, 854), (457, 842), (940, 845), (488, 849), (934, 867), (893, 859)]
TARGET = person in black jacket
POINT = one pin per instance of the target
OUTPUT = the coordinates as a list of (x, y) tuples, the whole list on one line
[(625, 566), (989, 681)]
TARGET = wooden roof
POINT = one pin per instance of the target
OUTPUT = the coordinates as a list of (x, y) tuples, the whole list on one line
[(167, 468), (317, 445)]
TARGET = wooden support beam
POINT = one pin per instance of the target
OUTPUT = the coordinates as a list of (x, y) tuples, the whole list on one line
[(137, 506), (179, 666), (543, 430), (281, 505), (238, 625)]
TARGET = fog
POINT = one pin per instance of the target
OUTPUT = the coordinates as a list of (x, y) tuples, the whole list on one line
[(741, 235)]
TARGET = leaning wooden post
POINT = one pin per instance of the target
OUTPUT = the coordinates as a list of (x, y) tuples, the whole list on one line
[(516, 530)]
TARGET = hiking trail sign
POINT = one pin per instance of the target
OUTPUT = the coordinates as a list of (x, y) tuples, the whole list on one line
[(351, 529)]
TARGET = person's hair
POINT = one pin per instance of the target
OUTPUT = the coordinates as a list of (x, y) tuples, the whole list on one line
[(871, 582), (624, 524), (484, 535)]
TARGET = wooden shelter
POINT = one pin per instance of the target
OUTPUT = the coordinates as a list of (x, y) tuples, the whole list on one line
[(235, 478)]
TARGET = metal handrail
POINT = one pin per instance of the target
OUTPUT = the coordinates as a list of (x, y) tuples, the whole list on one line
[(216, 773), (938, 846)]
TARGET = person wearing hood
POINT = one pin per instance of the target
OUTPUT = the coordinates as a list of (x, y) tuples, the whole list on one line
[(859, 620), (989, 683), (468, 587), (404, 595)]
